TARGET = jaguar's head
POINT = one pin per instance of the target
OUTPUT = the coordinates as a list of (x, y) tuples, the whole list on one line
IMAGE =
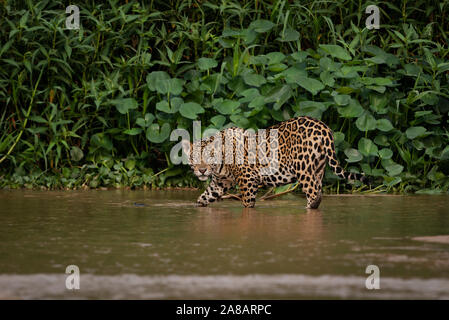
[(200, 160)]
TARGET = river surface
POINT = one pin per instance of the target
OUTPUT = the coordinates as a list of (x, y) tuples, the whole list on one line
[(158, 245)]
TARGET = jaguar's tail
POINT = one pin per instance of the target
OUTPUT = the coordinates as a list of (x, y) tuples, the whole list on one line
[(329, 149)]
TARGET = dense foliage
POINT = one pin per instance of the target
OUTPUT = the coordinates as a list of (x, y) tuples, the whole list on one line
[(95, 107)]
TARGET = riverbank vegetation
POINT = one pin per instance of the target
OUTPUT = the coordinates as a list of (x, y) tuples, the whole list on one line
[(95, 107)]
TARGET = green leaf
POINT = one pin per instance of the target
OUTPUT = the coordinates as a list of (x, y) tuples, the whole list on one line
[(156, 77), (253, 79), (124, 105), (336, 51), (366, 122), (378, 103), (218, 121), (353, 155), (339, 137), (415, 132), (172, 107), (289, 35), (157, 134), (277, 67), (391, 181), (394, 169), (161, 82), (279, 95), (352, 110), (384, 125), (342, 99), (261, 25), (257, 102), (76, 154), (327, 78), (275, 57), (227, 106), (191, 110), (133, 131), (146, 121), (385, 153), (294, 74), (382, 140), (101, 140), (310, 108), (239, 120), (130, 164), (206, 63), (367, 147), (312, 85)]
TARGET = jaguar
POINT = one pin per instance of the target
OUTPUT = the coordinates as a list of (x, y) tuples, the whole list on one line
[(295, 150)]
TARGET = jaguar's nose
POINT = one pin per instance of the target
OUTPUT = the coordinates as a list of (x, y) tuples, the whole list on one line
[(202, 170)]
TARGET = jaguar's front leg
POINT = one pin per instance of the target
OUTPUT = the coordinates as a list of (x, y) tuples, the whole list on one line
[(214, 192)]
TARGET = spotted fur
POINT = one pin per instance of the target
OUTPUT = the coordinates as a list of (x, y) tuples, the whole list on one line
[(303, 147)]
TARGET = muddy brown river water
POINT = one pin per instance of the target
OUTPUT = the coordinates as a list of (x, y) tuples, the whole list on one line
[(156, 244)]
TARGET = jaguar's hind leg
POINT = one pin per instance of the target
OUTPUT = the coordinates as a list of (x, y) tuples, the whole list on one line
[(312, 189), (314, 183), (248, 189)]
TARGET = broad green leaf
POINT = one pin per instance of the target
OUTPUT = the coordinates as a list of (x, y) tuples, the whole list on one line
[(312, 85), (124, 105), (327, 64), (336, 51), (353, 155), (394, 169), (155, 77), (146, 121), (342, 99), (253, 79), (279, 96), (170, 107), (164, 106), (101, 140), (191, 110), (310, 108), (378, 103), (384, 125), (207, 63), (294, 74), (76, 154), (391, 181), (239, 120), (161, 82), (366, 122), (352, 110), (275, 57), (415, 132), (130, 164), (257, 102), (385, 153), (382, 140), (158, 134), (327, 78), (339, 137), (261, 25), (299, 56), (218, 121), (227, 106), (289, 35), (367, 147)]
